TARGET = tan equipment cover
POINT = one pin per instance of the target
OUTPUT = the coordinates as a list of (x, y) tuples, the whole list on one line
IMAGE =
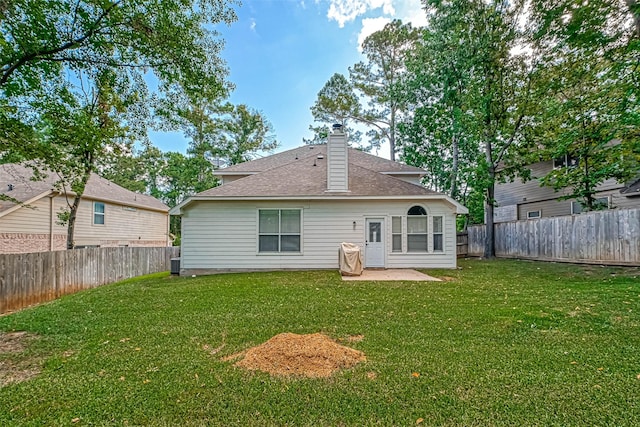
[(350, 259)]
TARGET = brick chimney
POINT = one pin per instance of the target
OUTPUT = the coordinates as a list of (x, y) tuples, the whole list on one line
[(337, 161)]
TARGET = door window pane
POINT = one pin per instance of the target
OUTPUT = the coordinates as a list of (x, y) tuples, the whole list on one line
[(374, 232)]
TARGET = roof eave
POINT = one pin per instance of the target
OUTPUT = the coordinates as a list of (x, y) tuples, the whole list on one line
[(27, 202), (459, 209)]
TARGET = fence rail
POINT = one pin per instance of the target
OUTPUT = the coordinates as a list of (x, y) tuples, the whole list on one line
[(27, 279), (603, 237)]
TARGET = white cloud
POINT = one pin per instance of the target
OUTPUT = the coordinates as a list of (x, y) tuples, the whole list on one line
[(411, 11), (343, 11), (252, 26), (370, 26)]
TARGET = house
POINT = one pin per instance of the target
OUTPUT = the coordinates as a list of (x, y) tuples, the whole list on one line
[(109, 215), (526, 200), (293, 209)]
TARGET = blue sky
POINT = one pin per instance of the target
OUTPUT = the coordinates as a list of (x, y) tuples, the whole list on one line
[(281, 52)]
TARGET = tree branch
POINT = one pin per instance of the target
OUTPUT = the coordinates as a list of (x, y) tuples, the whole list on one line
[(72, 44)]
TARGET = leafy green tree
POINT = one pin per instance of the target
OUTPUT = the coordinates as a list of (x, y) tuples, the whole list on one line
[(590, 88), (242, 133), (481, 102), (439, 135), (64, 63), (380, 78), (337, 103)]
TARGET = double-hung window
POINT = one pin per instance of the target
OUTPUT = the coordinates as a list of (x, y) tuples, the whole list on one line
[(396, 233), (417, 229), (98, 213), (279, 230), (438, 241)]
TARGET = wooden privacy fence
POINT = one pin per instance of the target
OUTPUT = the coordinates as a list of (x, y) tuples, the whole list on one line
[(27, 279), (603, 237), (462, 240)]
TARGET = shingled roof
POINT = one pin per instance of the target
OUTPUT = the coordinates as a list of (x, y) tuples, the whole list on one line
[(307, 176), (24, 190), (356, 157), (632, 188)]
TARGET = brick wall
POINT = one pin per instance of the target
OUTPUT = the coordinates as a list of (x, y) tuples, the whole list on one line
[(132, 243), (20, 243)]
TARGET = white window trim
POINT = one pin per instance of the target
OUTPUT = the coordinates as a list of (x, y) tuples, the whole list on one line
[(402, 234), (538, 212), (104, 214), (279, 253)]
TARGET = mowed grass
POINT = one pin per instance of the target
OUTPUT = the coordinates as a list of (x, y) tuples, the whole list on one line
[(498, 343)]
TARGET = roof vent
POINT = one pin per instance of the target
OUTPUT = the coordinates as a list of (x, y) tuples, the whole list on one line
[(10, 186), (320, 157)]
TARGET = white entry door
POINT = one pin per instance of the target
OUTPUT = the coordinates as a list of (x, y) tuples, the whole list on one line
[(374, 243)]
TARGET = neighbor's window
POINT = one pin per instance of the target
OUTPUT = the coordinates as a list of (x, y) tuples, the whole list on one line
[(396, 233), (417, 229), (533, 214), (601, 203), (98, 213), (566, 160), (438, 240), (279, 230)]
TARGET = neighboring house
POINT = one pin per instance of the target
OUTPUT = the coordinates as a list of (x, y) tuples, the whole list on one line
[(293, 209), (526, 200), (109, 215)]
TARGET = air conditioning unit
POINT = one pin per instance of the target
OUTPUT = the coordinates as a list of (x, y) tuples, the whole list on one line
[(175, 266)]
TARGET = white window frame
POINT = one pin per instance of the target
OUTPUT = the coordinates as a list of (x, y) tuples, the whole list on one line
[(279, 234), (536, 214), (103, 214), (401, 234), (566, 161), (434, 233)]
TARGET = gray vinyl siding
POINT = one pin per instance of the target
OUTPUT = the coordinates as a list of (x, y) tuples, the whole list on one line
[(223, 235), (530, 196)]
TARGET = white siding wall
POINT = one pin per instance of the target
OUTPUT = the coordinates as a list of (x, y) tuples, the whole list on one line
[(223, 235)]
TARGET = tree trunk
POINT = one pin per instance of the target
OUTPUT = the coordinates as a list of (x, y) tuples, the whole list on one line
[(72, 222), (392, 136), (489, 243), (73, 211), (490, 240), (454, 167)]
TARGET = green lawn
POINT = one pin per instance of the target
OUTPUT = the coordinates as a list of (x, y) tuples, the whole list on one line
[(499, 343)]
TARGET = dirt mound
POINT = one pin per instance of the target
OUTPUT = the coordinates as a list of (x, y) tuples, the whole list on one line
[(15, 366), (312, 355)]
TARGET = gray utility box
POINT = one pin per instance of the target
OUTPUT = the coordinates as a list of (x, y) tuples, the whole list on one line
[(175, 266)]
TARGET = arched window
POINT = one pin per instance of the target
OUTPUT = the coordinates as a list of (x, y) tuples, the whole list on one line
[(417, 229)]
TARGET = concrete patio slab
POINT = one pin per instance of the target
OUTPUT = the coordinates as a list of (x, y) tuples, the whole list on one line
[(392, 274)]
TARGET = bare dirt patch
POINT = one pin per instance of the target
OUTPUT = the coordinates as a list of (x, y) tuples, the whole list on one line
[(14, 366), (311, 355)]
